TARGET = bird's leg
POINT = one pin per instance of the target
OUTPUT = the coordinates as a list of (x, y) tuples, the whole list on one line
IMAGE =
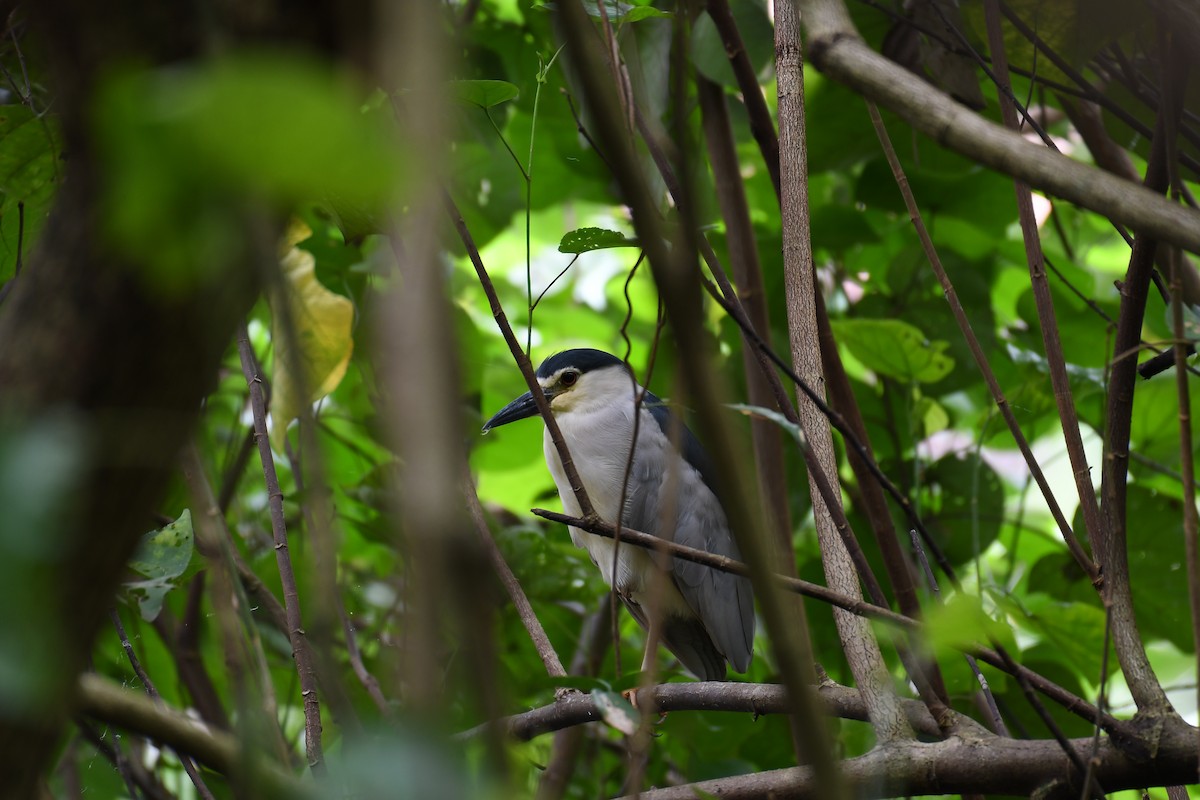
[(650, 659)]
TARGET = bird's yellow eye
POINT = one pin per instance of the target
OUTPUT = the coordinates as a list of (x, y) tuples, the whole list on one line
[(568, 378)]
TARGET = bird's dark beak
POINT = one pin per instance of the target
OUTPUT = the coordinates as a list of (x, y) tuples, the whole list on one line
[(521, 408)]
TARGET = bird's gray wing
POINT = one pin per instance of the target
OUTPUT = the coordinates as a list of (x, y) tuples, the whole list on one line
[(723, 602), (688, 639)]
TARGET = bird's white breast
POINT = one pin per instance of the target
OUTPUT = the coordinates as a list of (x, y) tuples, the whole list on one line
[(599, 440)]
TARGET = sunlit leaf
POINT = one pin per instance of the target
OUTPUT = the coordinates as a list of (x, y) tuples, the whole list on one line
[(583, 240), (313, 366), (959, 623)]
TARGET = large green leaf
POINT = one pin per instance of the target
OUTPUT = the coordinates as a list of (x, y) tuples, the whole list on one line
[(484, 94), (894, 348)]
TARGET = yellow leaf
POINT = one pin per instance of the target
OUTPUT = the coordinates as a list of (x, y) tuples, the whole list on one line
[(322, 337)]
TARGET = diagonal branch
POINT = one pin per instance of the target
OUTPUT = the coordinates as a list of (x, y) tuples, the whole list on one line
[(964, 325), (1072, 703), (836, 49)]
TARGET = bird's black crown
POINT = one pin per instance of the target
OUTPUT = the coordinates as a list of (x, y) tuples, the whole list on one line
[(584, 359)]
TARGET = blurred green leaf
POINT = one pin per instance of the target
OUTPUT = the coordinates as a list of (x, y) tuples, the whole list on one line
[(617, 712), (185, 148), (484, 94)]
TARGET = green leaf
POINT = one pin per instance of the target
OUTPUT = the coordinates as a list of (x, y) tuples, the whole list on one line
[(162, 556), (644, 12), (29, 175), (185, 148), (484, 94), (965, 505), (773, 416), (895, 349), (958, 624), (617, 712), (616, 11), (166, 552), (583, 240)]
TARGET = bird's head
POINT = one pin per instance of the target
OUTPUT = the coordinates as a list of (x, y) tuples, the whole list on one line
[(571, 380)]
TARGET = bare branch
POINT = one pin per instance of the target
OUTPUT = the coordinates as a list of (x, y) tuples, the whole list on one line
[(291, 597), (843, 702), (836, 49), (105, 701)]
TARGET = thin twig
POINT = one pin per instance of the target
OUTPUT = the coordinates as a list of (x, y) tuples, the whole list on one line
[(533, 626), (981, 361), (368, 681), (188, 765), (287, 576), (520, 357), (133, 780), (1055, 360), (993, 710)]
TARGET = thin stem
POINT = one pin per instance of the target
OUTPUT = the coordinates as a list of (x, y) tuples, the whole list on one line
[(189, 766), (981, 362), (533, 626), (520, 357), (287, 576)]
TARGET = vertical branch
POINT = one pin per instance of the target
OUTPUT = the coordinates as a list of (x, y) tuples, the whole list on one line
[(680, 291), (444, 588), (287, 576), (747, 275), (189, 766), (1107, 533), (858, 640), (964, 325), (1174, 76)]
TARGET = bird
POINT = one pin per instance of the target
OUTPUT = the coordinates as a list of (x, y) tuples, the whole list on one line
[(703, 616)]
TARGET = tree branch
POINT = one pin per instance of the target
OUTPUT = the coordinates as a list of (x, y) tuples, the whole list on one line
[(839, 701), (102, 699), (836, 49), (962, 765), (305, 668)]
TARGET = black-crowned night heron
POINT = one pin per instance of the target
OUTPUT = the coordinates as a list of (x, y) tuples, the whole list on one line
[(703, 616)]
